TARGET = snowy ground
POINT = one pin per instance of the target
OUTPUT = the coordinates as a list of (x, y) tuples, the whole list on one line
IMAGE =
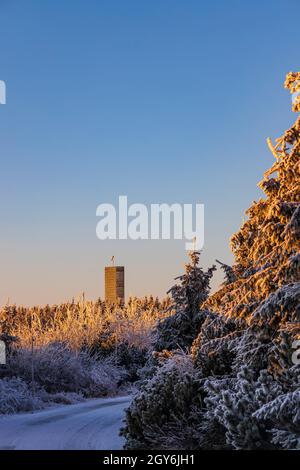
[(93, 424)]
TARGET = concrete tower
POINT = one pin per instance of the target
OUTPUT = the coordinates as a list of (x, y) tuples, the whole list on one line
[(114, 284)]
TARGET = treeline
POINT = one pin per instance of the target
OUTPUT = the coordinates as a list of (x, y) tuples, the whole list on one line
[(64, 353)]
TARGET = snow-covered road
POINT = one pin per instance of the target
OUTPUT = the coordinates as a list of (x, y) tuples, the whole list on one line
[(93, 424)]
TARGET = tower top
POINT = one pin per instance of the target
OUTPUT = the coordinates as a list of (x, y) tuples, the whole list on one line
[(115, 284)]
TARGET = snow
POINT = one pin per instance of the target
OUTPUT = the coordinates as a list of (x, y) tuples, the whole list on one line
[(92, 425)]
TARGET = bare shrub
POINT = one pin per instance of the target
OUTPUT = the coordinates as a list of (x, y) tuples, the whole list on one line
[(57, 368), (15, 396)]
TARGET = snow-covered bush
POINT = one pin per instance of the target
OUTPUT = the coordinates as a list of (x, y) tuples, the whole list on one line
[(165, 402), (282, 416), (233, 405), (16, 396), (57, 368), (132, 359)]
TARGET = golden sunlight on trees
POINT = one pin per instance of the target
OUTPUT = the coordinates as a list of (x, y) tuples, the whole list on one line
[(237, 387)]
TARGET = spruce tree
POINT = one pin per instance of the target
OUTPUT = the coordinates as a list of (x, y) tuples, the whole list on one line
[(180, 329)]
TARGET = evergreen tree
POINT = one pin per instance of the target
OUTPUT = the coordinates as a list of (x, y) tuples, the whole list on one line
[(180, 329)]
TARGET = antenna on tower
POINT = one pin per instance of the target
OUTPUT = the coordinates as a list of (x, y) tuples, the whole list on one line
[(194, 243)]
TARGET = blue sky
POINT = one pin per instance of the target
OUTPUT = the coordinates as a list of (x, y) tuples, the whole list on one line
[(164, 101)]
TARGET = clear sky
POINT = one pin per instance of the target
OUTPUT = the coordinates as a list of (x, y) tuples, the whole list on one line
[(163, 101)]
